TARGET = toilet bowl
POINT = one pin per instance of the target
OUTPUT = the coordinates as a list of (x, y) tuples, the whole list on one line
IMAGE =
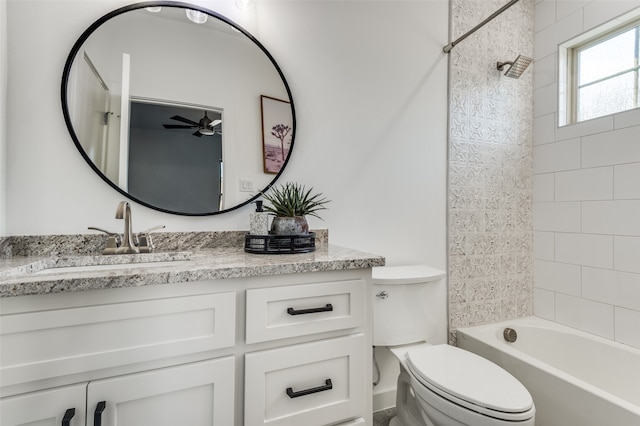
[(439, 384)]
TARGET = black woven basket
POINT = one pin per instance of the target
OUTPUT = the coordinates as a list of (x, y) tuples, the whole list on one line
[(280, 244)]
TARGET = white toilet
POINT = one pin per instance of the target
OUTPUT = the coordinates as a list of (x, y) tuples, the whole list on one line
[(438, 384)]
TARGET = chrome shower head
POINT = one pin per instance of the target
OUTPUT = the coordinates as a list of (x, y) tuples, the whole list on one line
[(517, 67)]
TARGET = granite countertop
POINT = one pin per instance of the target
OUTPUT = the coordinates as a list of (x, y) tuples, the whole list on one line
[(29, 275)]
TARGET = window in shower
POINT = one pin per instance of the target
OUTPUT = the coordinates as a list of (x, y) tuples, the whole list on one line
[(601, 72), (606, 74)]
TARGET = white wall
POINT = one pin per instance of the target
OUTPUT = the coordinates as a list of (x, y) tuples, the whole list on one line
[(586, 193), (369, 86), (3, 114)]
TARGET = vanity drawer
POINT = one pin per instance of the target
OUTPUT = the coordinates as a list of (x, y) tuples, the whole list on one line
[(58, 342), (298, 310), (310, 384)]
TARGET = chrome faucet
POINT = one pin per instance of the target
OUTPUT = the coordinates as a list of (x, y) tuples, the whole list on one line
[(128, 246)]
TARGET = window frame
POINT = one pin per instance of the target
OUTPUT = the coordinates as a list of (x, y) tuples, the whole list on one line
[(574, 61), (568, 63)]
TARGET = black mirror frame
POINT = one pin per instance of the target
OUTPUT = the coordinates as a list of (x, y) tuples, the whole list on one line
[(65, 106)]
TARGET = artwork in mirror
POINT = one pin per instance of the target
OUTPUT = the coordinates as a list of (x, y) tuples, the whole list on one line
[(276, 133), (170, 112)]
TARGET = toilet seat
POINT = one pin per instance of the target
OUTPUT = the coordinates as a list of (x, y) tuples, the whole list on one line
[(470, 381)]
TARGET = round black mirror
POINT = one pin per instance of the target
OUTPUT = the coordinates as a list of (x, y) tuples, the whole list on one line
[(178, 108)]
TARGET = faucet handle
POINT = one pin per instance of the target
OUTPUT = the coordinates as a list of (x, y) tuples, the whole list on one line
[(113, 242), (115, 235), (148, 231), (145, 243)]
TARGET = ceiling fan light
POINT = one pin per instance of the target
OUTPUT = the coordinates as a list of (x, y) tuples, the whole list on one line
[(206, 132), (196, 16)]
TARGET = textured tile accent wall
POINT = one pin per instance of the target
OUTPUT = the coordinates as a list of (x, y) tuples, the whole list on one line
[(490, 166)]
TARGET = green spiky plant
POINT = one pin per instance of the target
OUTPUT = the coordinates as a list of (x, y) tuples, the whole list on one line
[(292, 199)]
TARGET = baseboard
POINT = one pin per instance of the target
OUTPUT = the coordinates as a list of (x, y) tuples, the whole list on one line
[(384, 399)]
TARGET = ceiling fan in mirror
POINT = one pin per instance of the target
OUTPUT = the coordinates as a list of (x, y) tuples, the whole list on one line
[(205, 127)]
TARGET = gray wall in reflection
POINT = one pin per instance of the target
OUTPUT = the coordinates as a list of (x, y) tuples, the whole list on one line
[(172, 168)]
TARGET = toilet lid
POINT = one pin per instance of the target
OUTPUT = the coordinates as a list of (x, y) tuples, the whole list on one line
[(470, 378)]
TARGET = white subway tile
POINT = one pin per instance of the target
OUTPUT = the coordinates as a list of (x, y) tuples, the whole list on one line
[(545, 15), (544, 129), (543, 187), (618, 147), (565, 8), (627, 326), (545, 71), (584, 249), (627, 253), (557, 156), (611, 287), (585, 315), (601, 11), (568, 27), (545, 100), (543, 245), (621, 217), (559, 217), (585, 184), (544, 303), (627, 118), (584, 128), (558, 277), (545, 42), (626, 181)]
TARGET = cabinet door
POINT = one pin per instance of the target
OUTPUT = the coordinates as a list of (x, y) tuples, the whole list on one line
[(196, 394), (60, 407)]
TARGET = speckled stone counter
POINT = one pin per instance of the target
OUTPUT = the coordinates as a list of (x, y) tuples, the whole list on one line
[(38, 268)]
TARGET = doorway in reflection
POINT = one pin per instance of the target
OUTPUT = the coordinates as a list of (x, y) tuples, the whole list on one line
[(175, 156)]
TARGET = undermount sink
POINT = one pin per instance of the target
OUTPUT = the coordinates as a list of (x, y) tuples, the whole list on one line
[(68, 264), (118, 266)]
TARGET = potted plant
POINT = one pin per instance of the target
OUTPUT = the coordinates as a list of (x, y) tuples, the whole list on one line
[(290, 204)]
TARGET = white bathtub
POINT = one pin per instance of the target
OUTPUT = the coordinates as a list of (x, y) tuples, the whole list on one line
[(575, 378)]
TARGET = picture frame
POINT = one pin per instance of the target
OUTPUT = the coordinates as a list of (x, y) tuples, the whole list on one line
[(277, 132)]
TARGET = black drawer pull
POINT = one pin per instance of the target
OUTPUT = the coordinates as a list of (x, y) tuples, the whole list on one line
[(97, 415), (327, 386), (327, 308), (68, 415)]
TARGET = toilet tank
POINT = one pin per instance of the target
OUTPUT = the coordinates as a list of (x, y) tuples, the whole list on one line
[(405, 303)]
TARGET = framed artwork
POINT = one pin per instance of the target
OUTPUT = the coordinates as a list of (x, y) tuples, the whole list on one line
[(277, 132)]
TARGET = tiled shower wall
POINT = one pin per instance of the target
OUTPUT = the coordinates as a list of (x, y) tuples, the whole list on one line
[(586, 192), (490, 166)]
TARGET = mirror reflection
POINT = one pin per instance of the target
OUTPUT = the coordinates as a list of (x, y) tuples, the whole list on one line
[(171, 112)]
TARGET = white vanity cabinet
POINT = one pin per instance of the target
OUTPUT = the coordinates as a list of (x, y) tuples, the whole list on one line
[(291, 349), (60, 406), (119, 356), (195, 394)]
